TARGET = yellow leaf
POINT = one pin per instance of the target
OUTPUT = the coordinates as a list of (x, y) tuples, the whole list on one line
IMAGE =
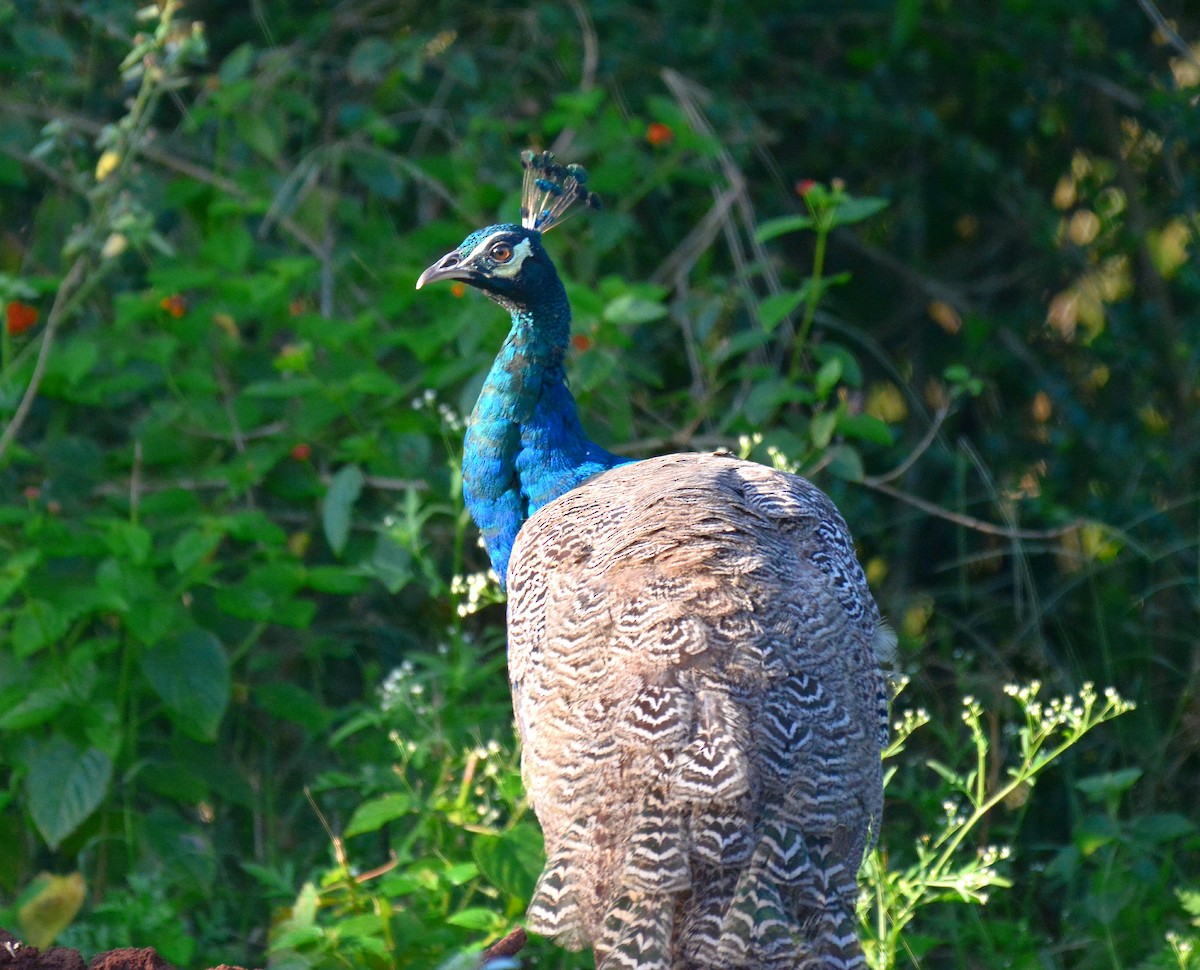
[(1169, 247), (1152, 420), (877, 570), (916, 618), (886, 402), (1042, 408), (945, 316), (1064, 193), (48, 906), (1083, 227), (227, 324), (108, 161), (114, 245)]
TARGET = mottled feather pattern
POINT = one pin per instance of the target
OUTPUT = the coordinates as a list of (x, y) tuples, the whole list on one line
[(692, 655)]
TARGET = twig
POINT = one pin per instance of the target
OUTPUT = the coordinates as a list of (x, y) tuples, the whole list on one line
[(591, 49), (922, 446), (66, 296), (969, 521), (684, 256), (135, 481), (1163, 26), (509, 946)]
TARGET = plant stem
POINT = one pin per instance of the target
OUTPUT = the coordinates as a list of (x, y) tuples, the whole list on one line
[(813, 296)]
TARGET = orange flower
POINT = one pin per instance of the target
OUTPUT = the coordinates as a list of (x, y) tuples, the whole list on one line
[(175, 305), (19, 317), (301, 451), (581, 342), (459, 288), (659, 134), (804, 186)]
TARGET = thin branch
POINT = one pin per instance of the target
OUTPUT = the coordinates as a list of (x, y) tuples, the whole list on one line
[(685, 256), (969, 521), (66, 296), (591, 48), (509, 946), (922, 446), (1163, 26)]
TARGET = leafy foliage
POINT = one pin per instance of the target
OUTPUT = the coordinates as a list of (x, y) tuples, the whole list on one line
[(235, 560)]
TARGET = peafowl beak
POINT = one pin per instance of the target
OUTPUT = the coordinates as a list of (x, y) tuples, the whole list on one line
[(452, 266)]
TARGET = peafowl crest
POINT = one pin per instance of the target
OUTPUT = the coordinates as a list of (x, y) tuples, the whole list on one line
[(694, 657)]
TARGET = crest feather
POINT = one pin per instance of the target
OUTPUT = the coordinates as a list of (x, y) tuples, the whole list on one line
[(550, 189)]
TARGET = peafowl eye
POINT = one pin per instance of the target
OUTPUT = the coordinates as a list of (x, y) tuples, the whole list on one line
[(694, 657)]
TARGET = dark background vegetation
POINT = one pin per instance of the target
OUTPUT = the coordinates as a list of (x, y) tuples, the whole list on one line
[(230, 521)]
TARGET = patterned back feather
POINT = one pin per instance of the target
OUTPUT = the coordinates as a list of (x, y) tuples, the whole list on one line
[(692, 651), (694, 657)]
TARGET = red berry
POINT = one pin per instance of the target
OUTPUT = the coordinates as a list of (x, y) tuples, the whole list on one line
[(19, 317), (174, 304), (659, 134)]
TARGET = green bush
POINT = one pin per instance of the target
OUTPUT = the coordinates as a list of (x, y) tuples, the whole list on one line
[(251, 670)]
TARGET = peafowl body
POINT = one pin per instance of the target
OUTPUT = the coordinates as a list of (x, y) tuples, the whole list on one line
[(694, 657)]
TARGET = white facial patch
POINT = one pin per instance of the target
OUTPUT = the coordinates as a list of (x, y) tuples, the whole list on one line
[(521, 252)]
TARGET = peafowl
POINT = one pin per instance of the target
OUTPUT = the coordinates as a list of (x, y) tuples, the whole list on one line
[(694, 657)]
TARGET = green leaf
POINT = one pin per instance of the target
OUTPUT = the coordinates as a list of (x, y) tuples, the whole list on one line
[(821, 429), (36, 707), (64, 787), (190, 673), (390, 563), (236, 65), (333, 579), (458, 873), (846, 463), (15, 569), (828, 376), (774, 308), (865, 427), (373, 815), (71, 363), (256, 130), (1095, 832), (290, 702), (374, 382), (192, 546), (784, 224), (128, 542), (1109, 785), (475, 918), (338, 505), (1162, 827), (511, 862), (852, 210), (369, 59), (631, 309), (38, 625)]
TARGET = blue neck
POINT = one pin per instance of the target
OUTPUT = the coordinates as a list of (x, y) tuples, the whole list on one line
[(524, 445)]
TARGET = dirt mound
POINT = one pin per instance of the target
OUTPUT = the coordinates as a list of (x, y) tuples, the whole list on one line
[(15, 954)]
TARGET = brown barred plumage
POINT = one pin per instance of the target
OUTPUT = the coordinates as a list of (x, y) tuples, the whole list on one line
[(695, 666)]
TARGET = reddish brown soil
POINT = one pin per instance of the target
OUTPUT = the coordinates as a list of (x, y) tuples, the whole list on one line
[(14, 954)]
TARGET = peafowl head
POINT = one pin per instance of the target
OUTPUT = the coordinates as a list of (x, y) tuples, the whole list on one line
[(507, 261)]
